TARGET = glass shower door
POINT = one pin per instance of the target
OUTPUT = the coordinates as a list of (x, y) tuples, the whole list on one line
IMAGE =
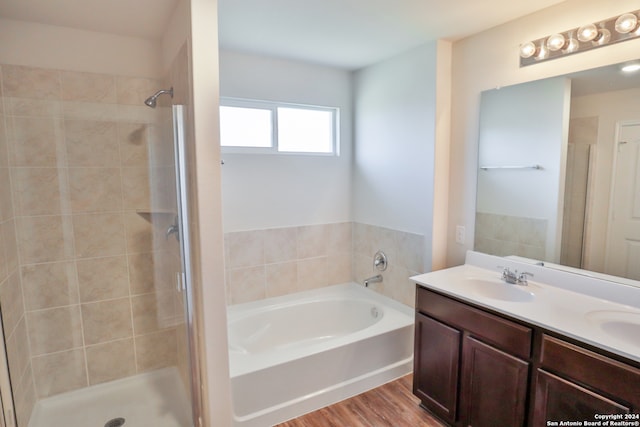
[(169, 215)]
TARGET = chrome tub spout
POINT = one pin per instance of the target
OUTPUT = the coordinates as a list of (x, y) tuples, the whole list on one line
[(373, 279)]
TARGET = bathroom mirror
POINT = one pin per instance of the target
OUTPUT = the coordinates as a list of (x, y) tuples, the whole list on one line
[(558, 165)]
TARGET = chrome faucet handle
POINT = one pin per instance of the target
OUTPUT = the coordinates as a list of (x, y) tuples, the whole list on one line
[(508, 275), (522, 277)]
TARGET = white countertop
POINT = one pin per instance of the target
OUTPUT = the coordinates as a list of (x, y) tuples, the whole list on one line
[(599, 312)]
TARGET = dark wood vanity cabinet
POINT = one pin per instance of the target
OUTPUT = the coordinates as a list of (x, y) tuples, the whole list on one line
[(573, 383), (471, 368), (475, 368), (436, 366)]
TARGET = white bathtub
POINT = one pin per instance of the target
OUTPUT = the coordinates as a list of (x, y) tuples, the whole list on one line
[(293, 354)]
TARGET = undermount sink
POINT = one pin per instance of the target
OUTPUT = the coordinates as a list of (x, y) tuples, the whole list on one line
[(622, 325), (497, 289)]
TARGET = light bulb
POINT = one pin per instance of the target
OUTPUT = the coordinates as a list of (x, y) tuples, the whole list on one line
[(604, 36), (571, 45), (626, 23), (527, 50), (588, 32), (555, 42), (543, 52)]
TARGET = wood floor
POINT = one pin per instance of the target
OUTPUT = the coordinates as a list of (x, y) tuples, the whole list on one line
[(390, 405)]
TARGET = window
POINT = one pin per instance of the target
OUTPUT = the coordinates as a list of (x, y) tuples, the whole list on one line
[(248, 126)]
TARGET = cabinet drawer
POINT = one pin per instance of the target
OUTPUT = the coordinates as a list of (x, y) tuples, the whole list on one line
[(504, 334), (592, 369)]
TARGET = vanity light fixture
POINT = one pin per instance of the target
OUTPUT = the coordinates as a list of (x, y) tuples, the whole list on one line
[(589, 36)]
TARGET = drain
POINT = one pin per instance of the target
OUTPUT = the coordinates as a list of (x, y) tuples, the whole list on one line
[(116, 422)]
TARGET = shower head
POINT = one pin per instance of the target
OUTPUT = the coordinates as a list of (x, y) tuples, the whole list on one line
[(152, 100)]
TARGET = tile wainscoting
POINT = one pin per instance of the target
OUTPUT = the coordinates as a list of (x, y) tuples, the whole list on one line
[(278, 261)]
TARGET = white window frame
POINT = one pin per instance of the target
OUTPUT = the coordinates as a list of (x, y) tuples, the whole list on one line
[(273, 107)]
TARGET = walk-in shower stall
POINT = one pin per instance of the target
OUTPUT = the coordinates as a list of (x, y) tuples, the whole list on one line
[(97, 313)]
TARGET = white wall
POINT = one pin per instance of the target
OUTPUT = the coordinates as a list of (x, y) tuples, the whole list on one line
[(395, 129), (61, 48), (510, 134), (490, 59), (265, 191), (610, 108)]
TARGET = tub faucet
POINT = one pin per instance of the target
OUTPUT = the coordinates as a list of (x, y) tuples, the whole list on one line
[(373, 279)]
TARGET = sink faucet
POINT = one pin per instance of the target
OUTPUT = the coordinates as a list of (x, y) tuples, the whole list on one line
[(373, 279), (514, 278)]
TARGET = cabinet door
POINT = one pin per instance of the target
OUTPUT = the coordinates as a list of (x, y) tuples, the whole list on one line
[(559, 400), (436, 360), (494, 386)]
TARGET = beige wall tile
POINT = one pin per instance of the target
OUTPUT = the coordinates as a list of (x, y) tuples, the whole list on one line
[(280, 245), (59, 372), (77, 86), (246, 284), (103, 278), (339, 238), (362, 267), (98, 235), (363, 239), (6, 201), (133, 90), (384, 239), (4, 148), (25, 399), (38, 191), (135, 188), (9, 246), (312, 241), (95, 189), (281, 279), (147, 309), (156, 350), (35, 141), (139, 232), (411, 251), (312, 273), (32, 107), (90, 111), (18, 350), (4, 272), (49, 285), (246, 248), (141, 273), (111, 361), (45, 239), (30, 82), (54, 329), (106, 320), (133, 143), (12, 303), (339, 268), (91, 143)]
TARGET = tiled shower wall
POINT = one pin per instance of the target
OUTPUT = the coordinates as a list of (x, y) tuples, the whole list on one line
[(280, 261), (11, 301), (79, 299), (504, 235)]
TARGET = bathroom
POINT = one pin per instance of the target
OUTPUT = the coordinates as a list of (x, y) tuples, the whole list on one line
[(429, 207)]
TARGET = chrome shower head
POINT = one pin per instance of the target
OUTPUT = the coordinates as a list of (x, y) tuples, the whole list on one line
[(152, 100)]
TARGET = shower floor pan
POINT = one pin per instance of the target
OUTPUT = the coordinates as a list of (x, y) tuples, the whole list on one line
[(155, 399)]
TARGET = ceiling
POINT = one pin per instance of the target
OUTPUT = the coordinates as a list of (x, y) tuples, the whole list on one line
[(343, 33), (355, 33)]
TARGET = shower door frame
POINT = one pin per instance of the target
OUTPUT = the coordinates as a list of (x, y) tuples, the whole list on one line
[(185, 280)]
